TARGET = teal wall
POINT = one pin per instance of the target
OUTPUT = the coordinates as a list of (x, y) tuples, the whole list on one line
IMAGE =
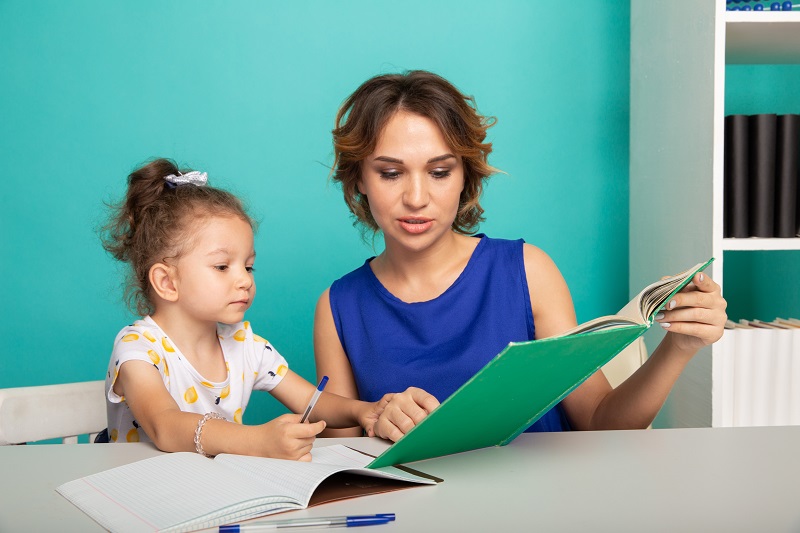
[(248, 91), (766, 284)]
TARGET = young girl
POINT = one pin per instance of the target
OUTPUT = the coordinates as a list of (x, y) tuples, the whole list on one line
[(439, 302), (182, 376)]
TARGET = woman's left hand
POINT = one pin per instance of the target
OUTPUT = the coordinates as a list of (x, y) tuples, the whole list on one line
[(695, 317)]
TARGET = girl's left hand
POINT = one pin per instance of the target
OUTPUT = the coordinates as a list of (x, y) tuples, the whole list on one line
[(695, 317), (396, 413)]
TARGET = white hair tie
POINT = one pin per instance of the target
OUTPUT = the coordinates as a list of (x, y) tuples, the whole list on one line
[(191, 178)]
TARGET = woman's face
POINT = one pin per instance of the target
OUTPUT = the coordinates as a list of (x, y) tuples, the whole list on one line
[(413, 182)]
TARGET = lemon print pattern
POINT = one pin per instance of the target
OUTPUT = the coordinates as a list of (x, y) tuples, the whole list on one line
[(133, 435), (245, 354), (190, 396)]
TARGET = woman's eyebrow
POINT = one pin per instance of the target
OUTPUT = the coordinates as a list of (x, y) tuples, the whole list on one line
[(436, 159), (389, 159), (441, 158)]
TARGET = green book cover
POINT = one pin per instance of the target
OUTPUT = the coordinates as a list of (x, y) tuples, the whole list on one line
[(526, 380)]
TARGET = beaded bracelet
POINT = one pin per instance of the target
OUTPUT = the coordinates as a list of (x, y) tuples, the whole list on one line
[(197, 432)]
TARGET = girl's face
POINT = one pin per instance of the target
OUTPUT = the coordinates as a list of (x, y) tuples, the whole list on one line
[(413, 182), (214, 278)]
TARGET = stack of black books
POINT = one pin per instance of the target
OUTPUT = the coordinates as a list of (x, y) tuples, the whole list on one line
[(762, 196)]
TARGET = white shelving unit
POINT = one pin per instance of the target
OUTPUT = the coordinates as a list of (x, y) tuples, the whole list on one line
[(679, 50)]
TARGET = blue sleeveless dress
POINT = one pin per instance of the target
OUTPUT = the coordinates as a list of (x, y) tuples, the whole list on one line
[(439, 344)]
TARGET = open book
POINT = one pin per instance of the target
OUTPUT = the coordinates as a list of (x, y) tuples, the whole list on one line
[(527, 379), (185, 491)]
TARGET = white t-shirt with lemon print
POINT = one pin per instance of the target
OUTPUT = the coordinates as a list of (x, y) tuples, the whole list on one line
[(252, 362)]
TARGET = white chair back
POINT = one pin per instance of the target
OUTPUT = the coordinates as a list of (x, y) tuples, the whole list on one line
[(29, 414)]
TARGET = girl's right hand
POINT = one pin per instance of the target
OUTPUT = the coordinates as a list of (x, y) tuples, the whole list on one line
[(286, 438)]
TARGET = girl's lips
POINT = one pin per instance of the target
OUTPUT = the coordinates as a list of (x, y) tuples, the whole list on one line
[(416, 225)]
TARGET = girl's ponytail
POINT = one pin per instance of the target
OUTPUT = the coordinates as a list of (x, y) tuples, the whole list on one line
[(146, 185)]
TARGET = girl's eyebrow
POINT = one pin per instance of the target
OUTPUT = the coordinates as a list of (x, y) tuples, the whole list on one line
[(218, 251), (400, 161), (224, 251)]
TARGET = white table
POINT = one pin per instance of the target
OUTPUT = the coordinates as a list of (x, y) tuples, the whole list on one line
[(732, 479)]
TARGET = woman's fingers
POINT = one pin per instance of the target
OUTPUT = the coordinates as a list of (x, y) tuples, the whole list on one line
[(403, 411), (697, 311)]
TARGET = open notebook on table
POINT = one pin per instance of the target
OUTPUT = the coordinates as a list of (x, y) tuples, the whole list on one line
[(185, 491)]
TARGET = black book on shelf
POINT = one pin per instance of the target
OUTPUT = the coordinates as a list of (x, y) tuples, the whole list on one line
[(763, 131), (786, 175), (737, 157)]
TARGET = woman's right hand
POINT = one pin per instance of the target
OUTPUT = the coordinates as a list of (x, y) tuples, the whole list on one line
[(286, 438), (399, 412)]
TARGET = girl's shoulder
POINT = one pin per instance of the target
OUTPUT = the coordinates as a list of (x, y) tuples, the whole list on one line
[(143, 329)]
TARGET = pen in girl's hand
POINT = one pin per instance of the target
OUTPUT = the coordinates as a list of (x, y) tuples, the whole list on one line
[(325, 521), (314, 398)]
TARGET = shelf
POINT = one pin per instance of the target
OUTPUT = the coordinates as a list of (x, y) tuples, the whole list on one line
[(761, 244), (768, 37)]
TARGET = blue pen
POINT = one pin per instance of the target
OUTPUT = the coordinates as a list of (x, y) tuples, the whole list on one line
[(326, 521), (314, 398)]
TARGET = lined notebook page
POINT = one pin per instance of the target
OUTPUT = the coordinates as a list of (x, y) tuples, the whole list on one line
[(167, 490)]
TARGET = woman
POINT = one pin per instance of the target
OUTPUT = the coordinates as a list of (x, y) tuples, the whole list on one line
[(438, 303)]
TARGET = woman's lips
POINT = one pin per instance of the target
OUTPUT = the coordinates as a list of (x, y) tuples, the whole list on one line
[(416, 225)]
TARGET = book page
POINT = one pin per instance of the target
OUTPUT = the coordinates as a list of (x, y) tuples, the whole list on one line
[(298, 480), (164, 491), (641, 309), (654, 296), (601, 323)]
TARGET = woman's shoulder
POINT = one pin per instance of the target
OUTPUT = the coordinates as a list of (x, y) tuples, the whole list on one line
[(355, 277), (536, 255), (539, 265), (533, 256)]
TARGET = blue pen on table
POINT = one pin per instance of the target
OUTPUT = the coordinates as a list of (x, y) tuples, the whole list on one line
[(325, 521), (314, 398)]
